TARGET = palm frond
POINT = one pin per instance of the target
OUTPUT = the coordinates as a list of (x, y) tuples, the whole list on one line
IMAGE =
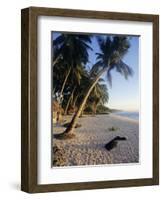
[(96, 68), (124, 69), (109, 78)]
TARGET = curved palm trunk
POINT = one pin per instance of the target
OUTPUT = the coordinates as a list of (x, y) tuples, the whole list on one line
[(56, 60), (94, 108), (82, 111), (75, 100), (64, 83), (72, 124), (68, 104), (69, 101)]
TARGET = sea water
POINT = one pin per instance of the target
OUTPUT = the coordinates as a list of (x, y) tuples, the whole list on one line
[(131, 115)]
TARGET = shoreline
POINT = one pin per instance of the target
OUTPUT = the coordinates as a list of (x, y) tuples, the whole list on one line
[(124, 118)]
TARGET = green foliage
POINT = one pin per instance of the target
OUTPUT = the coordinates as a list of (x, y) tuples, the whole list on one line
[(101, 109), (113, 128), (70, 51), (88, 110)]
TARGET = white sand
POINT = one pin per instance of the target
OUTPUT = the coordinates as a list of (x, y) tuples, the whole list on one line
[(87, 148)]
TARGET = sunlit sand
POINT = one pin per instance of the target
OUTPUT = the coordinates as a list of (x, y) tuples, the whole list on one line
[(88, 147)]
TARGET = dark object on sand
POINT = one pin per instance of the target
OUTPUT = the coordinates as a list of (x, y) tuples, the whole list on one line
[(113, 143)]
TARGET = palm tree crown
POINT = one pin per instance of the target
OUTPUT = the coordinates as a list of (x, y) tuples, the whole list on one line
[(112, 51), (70, 55)]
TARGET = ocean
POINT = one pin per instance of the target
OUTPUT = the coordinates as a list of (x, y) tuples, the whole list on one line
[(131, 115)]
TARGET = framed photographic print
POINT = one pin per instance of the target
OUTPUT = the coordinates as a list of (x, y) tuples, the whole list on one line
[(90, 99)]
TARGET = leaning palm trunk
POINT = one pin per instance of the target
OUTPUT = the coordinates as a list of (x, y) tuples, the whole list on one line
[(64, 83), (56, 60), (70, 128), (94, 108), (75, 100), (69, 101), (82, 111)]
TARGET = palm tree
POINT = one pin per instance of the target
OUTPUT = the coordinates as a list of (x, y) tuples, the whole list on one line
[(76, 80), (60, 77), (111, 56), (99, 95), (70, 54), (70, 99), (81, 90)]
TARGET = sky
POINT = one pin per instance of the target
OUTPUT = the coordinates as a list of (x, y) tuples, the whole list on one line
[(124, 94)]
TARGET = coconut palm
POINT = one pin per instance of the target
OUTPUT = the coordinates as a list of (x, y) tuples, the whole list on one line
[(60, 77), (81, 89), (75, 79), (112, 51), (70, 54), (99, 95)]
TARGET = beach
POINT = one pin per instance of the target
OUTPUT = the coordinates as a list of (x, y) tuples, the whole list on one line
[(88, 147)]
